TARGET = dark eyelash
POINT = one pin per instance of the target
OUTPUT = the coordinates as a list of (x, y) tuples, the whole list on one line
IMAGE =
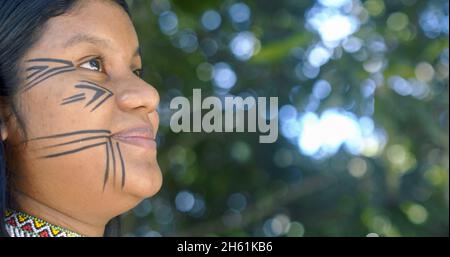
[(99, 58), (102, 62), (139, 72)]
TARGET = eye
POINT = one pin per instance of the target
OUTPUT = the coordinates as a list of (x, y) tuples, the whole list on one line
[(138, 72), (94, 64)]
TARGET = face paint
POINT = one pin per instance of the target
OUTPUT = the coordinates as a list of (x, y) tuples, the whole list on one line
[(77, 141), (101, 94), (44, 69), (74, 98), (122, 164)]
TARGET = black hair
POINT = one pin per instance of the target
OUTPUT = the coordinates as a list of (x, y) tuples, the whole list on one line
[(21, 25)]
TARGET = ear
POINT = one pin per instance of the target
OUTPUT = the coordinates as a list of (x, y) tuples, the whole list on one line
[(3, 130), (3, 125)]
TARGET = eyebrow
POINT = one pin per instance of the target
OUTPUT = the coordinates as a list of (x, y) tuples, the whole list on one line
[(137, 52), (85, 38)]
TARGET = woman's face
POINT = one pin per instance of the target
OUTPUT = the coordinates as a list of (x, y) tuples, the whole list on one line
[(90, 120)]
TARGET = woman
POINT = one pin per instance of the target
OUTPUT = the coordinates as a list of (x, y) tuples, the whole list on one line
[(78, 123)]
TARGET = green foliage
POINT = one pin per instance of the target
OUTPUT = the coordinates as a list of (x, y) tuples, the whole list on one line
[(243, 188)]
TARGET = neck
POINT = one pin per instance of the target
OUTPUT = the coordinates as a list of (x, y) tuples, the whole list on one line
[(38, 209)]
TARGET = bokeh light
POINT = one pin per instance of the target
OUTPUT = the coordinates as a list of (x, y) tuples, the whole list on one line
[(211, 20)]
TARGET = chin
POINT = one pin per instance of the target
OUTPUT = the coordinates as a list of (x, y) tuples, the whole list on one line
[(144, 184)]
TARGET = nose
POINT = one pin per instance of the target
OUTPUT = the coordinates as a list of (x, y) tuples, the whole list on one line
[(136, 94)]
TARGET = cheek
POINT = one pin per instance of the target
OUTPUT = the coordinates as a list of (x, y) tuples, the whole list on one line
[(77, 180), (80, 171), (42, 114), (54, 97), (60, 111)]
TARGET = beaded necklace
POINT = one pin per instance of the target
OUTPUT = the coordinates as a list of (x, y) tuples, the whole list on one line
[(20, 224)]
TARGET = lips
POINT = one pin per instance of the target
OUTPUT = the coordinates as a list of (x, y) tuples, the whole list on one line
[(141, 136)]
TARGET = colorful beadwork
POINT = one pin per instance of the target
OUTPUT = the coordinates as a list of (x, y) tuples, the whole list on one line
[(19, 224)]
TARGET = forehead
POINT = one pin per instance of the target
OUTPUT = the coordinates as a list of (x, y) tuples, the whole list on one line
[(100, 19)]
